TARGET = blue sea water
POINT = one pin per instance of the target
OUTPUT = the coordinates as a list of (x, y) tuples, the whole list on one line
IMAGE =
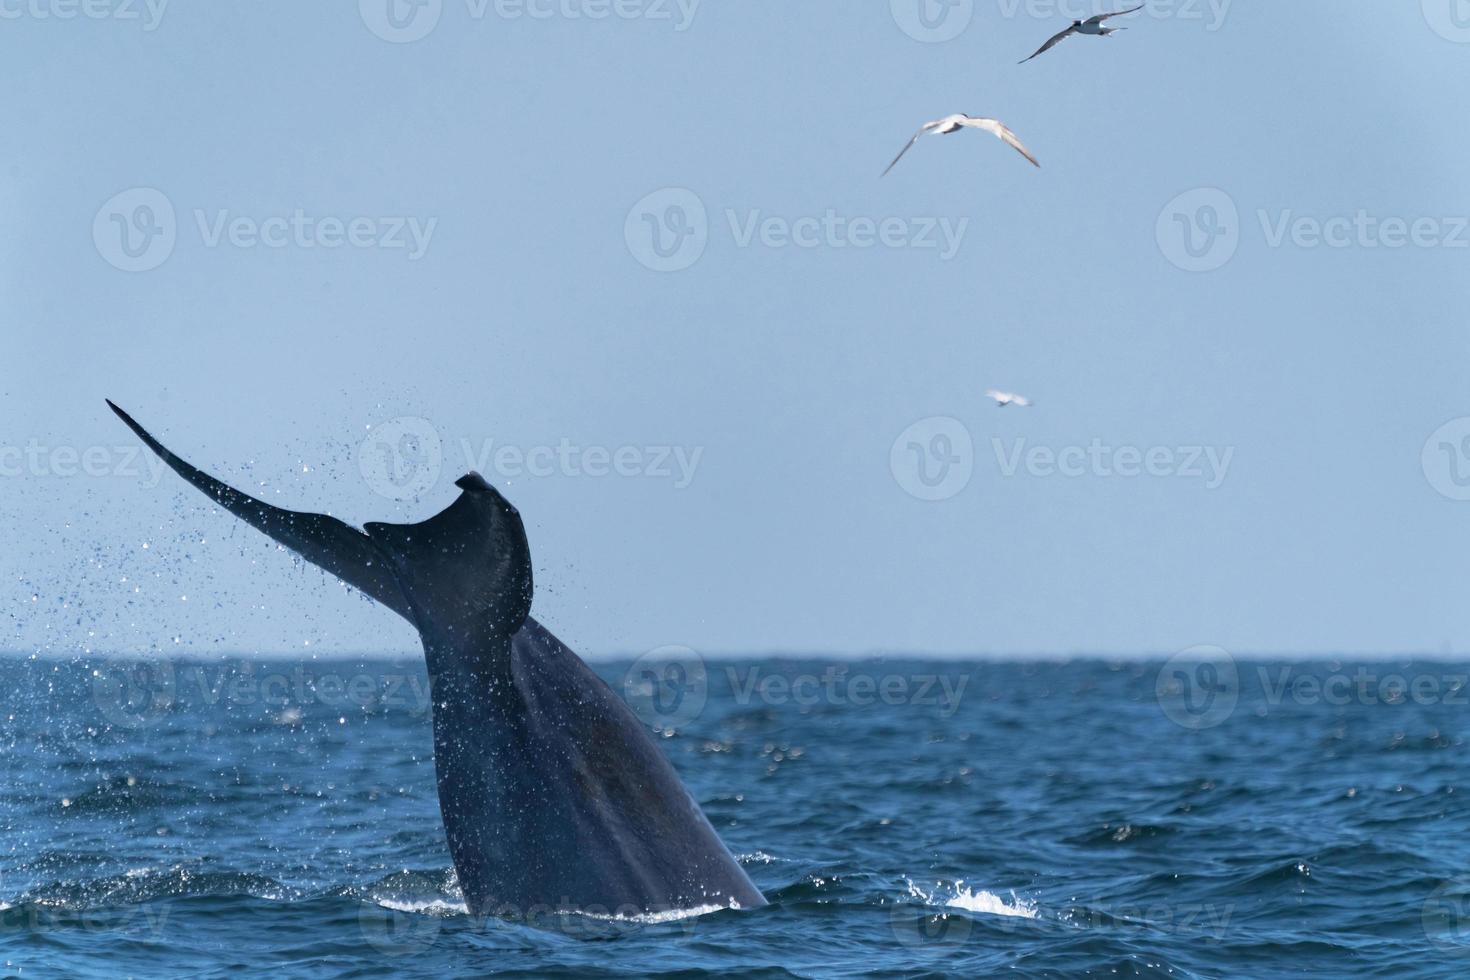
[(181, 818)]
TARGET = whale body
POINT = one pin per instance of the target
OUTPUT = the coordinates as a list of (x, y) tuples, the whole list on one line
[(553, 793)]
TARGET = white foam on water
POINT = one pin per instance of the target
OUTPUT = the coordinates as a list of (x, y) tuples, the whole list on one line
[(439, 906), (672, 915), (959, 896), (425, 906)]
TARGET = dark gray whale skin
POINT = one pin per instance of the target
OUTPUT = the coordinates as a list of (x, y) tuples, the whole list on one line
[(554, 795)]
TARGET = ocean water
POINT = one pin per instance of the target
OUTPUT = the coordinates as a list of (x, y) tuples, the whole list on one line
[(1202, 818)]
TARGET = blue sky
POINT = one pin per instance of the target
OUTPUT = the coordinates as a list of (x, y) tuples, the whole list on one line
[(357, 264)]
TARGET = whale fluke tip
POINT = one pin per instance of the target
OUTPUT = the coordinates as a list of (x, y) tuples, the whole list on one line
[(473, 481)]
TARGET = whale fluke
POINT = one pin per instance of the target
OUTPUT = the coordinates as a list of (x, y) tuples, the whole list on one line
[(334, 545), (553, 794)]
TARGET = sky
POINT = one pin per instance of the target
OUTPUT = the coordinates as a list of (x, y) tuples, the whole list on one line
[(633, 260)]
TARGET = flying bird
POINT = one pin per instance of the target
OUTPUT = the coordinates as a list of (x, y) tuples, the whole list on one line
[(958, 121), (1092, 25), (1003, 399)]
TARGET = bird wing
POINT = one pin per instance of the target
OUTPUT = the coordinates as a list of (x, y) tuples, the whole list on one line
[(907, 146), (322, 540), (999, 129), (1055, 40), (1117, 13)]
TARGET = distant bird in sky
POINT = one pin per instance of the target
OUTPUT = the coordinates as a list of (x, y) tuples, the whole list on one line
[(1003, 399), (1092, 25), (958, 121)]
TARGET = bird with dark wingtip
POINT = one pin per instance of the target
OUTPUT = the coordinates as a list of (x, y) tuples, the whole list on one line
[(1094, 26)]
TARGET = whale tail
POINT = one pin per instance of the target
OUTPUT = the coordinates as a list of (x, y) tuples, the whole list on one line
[(467, 570), (552, 791), (468, 564)]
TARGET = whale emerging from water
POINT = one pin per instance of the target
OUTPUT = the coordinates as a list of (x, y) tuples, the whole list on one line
[(554, 796)]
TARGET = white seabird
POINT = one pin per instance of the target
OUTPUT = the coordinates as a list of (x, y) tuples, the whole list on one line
[(1003, 399), (958, 121)]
